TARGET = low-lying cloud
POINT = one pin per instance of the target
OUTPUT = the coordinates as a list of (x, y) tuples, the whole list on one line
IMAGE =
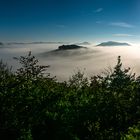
[(94, 59)]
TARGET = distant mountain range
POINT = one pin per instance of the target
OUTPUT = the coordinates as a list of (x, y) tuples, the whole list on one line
[(67, 47), (44, 42), (40, 42), (113, 43)]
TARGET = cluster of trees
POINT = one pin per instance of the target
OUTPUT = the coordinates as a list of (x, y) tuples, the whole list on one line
[(35, 106)]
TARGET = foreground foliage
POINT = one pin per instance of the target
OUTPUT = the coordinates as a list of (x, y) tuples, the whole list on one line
[(35, 106)]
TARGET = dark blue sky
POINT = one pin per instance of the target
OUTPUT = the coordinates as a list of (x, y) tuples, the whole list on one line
[(70, 20)]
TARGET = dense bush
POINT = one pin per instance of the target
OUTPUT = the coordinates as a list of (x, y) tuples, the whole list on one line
[(35, 106)]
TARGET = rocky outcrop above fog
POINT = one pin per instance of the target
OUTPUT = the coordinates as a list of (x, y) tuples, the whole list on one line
[(69, 47), (67, 50)]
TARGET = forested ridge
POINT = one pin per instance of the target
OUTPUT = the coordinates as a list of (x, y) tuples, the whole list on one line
[(36, 106)]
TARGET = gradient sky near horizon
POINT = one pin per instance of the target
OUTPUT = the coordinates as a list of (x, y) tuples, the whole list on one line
[(70, 20)]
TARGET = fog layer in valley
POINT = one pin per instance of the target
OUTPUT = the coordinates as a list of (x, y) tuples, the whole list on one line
[(63, 64)]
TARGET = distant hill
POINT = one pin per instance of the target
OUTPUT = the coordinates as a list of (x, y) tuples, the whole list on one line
[(83, 43), (113, 43), (67, 50)]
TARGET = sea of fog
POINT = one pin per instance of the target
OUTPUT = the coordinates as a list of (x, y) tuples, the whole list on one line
[(92, 61)]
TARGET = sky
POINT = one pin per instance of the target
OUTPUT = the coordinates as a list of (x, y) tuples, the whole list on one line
[(70, 20)]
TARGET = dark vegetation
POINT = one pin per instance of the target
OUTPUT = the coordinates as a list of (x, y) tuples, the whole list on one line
[(69, 47), (35, 106)]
